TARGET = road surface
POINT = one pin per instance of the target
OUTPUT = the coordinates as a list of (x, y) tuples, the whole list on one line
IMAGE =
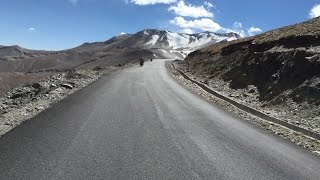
[(139, 123)]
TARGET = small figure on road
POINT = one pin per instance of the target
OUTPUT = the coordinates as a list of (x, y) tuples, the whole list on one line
[(141, 61), (151, 59)]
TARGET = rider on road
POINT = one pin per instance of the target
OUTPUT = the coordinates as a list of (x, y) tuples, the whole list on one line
[(141, 61)]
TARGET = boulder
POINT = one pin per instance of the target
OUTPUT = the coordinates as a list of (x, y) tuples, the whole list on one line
[(251, 91), (36, 85), (53, 86), (68, 86)]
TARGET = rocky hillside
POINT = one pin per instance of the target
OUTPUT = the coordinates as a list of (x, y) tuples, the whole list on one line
[(275, 62), (16, 52), (278, 70)]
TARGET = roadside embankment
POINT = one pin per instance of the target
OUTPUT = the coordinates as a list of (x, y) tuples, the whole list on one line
[(302, 137)]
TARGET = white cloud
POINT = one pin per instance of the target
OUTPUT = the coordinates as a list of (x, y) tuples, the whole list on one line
[(152, 2), (187, 31), (237, 28), (204, 24), (254, 30), (188, 10), (31, 29), (315, 11), (208, 4), (192, 18), (237, 25), (228, 30)]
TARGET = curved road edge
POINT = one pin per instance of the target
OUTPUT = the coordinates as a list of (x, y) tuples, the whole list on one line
[(53, 90), (306, 138)]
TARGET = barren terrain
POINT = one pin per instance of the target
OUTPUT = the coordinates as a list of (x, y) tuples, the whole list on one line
[(277, 72)]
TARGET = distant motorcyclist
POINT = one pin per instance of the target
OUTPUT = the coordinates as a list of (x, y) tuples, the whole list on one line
[(141, 61)]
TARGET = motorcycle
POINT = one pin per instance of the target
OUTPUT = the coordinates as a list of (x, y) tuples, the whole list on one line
[(141, 63)]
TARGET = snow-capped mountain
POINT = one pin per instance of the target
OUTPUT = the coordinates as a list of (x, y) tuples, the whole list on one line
[(170, 44), (149, 43), (185, 41)]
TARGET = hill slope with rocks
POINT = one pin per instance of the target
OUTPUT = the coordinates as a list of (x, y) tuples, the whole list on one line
[(277, 72)]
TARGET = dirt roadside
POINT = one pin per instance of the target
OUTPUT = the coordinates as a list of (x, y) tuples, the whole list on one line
[(22, 103)]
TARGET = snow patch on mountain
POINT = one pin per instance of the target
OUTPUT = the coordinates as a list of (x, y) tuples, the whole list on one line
[(183, 43), (145, 32), (154, 40), (177, 40), (231, 39)]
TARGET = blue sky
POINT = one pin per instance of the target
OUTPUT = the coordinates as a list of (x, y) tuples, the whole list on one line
[(62, 24)]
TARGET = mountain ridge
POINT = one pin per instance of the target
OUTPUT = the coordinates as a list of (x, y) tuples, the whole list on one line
[(149, 43)]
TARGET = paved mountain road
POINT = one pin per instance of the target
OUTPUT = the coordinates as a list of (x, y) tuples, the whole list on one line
[(138, 123)]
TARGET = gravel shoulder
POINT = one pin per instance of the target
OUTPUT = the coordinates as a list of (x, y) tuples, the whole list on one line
[(23, 103), (289, 134)]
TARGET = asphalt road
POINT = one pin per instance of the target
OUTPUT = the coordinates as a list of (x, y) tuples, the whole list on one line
[(140, 124)]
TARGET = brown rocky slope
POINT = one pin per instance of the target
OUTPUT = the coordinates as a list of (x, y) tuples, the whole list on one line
[(277, 72)]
